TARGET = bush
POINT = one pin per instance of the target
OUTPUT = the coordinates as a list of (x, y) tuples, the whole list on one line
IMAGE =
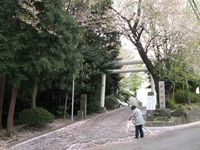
[(195, 98), (60, 111), (125, 95), (36, 116), (180, 97), (179, 112), (110, 102), (93, 104), (170, 103), (162, 113)]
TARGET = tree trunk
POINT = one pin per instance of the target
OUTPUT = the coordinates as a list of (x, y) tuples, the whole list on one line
[(2, 86), (188, 92), (34, 95), (136, 29), (156, 80), (173, 91), (65, 108), (10, 118), (150, 68)]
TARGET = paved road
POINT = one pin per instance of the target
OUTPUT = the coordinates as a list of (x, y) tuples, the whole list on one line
[(100, 131), (182, 139)]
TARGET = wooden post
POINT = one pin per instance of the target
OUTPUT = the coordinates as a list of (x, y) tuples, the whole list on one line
[(83, 105)]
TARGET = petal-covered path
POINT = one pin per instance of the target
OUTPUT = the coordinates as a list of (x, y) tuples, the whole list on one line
[(110, 127), (103, 128)]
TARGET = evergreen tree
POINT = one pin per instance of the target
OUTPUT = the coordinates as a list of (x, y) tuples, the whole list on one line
[(10, 65), (38, 44), (52, 51), (100, 46)]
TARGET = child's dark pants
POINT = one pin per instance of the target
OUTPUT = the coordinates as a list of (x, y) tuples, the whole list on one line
[(139, 130)]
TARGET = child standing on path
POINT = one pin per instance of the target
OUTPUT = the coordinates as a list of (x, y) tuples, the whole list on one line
[(138, 121)]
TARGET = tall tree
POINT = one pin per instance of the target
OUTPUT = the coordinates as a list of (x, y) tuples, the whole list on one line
[(152, 28), (48, 59), (10, 35), (100, 45), (6, 53), (54, 37)]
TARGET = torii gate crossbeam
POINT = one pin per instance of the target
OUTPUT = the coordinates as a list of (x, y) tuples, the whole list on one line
[(123, 62)]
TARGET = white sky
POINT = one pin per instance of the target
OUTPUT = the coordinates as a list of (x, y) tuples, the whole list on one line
[(129, 49)]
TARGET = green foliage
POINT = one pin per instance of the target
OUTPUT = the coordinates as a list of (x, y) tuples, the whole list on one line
[(112, 83), (175, 73), (47, 46), (99, 46), (159, 115), (133, 81), (55, 57), (110, 102), (60, 111), (125, 94), (179, 112), (93, 104), (177, 70), (170, 103), (11, 41), (35, 116), (162, 113), (100, 7), (180, 97), (195, 98), (39, 44)]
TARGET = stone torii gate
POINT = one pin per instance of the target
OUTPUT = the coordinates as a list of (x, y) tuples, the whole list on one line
[(117, 63)]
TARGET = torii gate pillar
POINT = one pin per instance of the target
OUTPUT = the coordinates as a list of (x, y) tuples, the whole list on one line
[(103, 84)]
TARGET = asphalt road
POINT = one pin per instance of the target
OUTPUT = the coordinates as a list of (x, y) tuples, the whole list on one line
[(181, 139)]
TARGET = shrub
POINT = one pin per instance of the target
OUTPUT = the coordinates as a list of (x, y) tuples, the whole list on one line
[(37, 116), (125, 95), (162, 113), (170, 103), (195, 98), (110, 102), (93, 104), (179, 112), (60, 111), (180, 97)]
